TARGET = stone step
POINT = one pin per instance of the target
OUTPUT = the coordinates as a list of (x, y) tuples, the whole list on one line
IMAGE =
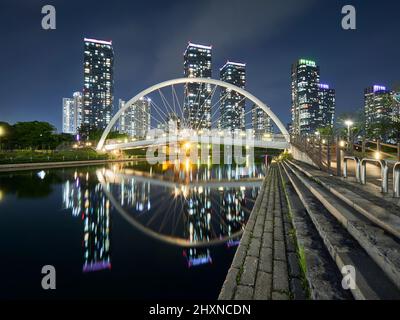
[(321, 272), (380, 212), (371, 282), (383, 248)]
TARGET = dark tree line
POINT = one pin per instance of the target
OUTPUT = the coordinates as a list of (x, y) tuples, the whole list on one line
[(34, 135)]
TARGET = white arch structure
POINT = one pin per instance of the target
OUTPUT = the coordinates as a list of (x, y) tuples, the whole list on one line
[(220, 83)]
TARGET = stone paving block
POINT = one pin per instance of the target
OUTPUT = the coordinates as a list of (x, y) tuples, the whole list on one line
[(229, 286), (280, 277), (278, 222), (266, 260), (279, 250), (250, 225), (278, 233), (254, 248), (297, 289), (290, 245), (269, 226), (249, 271), (267, 240), (294, 267), (269, 216), (262, 290), (258, 231), (239, 257), (245, 240), (260, 220), (279, 296), (244, 293)]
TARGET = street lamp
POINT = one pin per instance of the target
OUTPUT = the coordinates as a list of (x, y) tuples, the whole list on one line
[(348, 123), (2, 133)]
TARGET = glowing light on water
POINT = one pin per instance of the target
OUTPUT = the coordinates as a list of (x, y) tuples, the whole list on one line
[(41, 174)]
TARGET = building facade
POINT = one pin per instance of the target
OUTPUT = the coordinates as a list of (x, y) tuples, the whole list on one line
[(313, 104), (327, 103), (378, 109), (305, 106), (261, 123), (72, 113), (197, 104), (98, 83), (233, 105), (135, 121)]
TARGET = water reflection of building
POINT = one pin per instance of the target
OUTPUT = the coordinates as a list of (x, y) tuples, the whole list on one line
[(86, 199), (198, 224), (96, 231), (232, 215), (135, 194)]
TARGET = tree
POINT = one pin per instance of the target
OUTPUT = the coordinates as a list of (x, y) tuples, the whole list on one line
[(358, 127), (94, 134), (33, 135)]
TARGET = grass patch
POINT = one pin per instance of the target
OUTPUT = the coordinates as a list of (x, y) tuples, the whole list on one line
[(36, 156)]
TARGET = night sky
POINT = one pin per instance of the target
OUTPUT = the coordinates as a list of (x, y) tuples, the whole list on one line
[(40, 67)]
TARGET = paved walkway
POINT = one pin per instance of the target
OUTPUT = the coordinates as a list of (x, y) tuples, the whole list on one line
[(266, 265)]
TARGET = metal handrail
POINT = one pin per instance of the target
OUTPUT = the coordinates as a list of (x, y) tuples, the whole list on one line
[(384, 172), (358, 166), (396, 180)]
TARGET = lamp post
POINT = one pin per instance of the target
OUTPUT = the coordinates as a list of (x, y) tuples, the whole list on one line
[(348, 123), (2, 133)]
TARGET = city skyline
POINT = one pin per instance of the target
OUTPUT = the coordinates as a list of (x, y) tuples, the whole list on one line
[(268, 54)]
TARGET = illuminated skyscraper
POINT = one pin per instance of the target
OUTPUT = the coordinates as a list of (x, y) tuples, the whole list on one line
[(121, 125), (68, 116), (233, 105), (261, 122), (327, 102), (72, 113), (98, 83), (135, 121), (378, 108), (197, 105), (305, 105), (313, 104)]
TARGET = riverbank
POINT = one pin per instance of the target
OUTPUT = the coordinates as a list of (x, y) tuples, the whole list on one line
[(60, 164)]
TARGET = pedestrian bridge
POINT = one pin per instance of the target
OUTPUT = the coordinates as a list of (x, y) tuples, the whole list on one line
[(208, 114), (212, 139)]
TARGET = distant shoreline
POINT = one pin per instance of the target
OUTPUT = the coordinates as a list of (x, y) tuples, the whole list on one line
[(59, 164)]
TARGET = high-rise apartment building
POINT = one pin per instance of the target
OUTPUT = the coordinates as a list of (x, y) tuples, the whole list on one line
[(378, 106), (72, 113), (232, 104), (197, 104), (135, 121), (261, 122), (305, 105), (98, 83), (327, 103), (313, 104)]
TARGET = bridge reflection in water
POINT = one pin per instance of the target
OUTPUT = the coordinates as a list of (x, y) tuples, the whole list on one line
[(195, 207)]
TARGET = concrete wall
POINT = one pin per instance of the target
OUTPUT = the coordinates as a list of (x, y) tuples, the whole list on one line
[(302, 156)]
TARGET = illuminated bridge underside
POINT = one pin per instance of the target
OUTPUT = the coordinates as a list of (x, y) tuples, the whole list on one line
[(269, 144)]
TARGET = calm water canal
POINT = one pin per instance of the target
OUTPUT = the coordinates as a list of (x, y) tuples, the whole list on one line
[(123, 230)]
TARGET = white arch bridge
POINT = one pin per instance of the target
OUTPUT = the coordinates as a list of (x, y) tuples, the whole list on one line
[(166, 103)]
